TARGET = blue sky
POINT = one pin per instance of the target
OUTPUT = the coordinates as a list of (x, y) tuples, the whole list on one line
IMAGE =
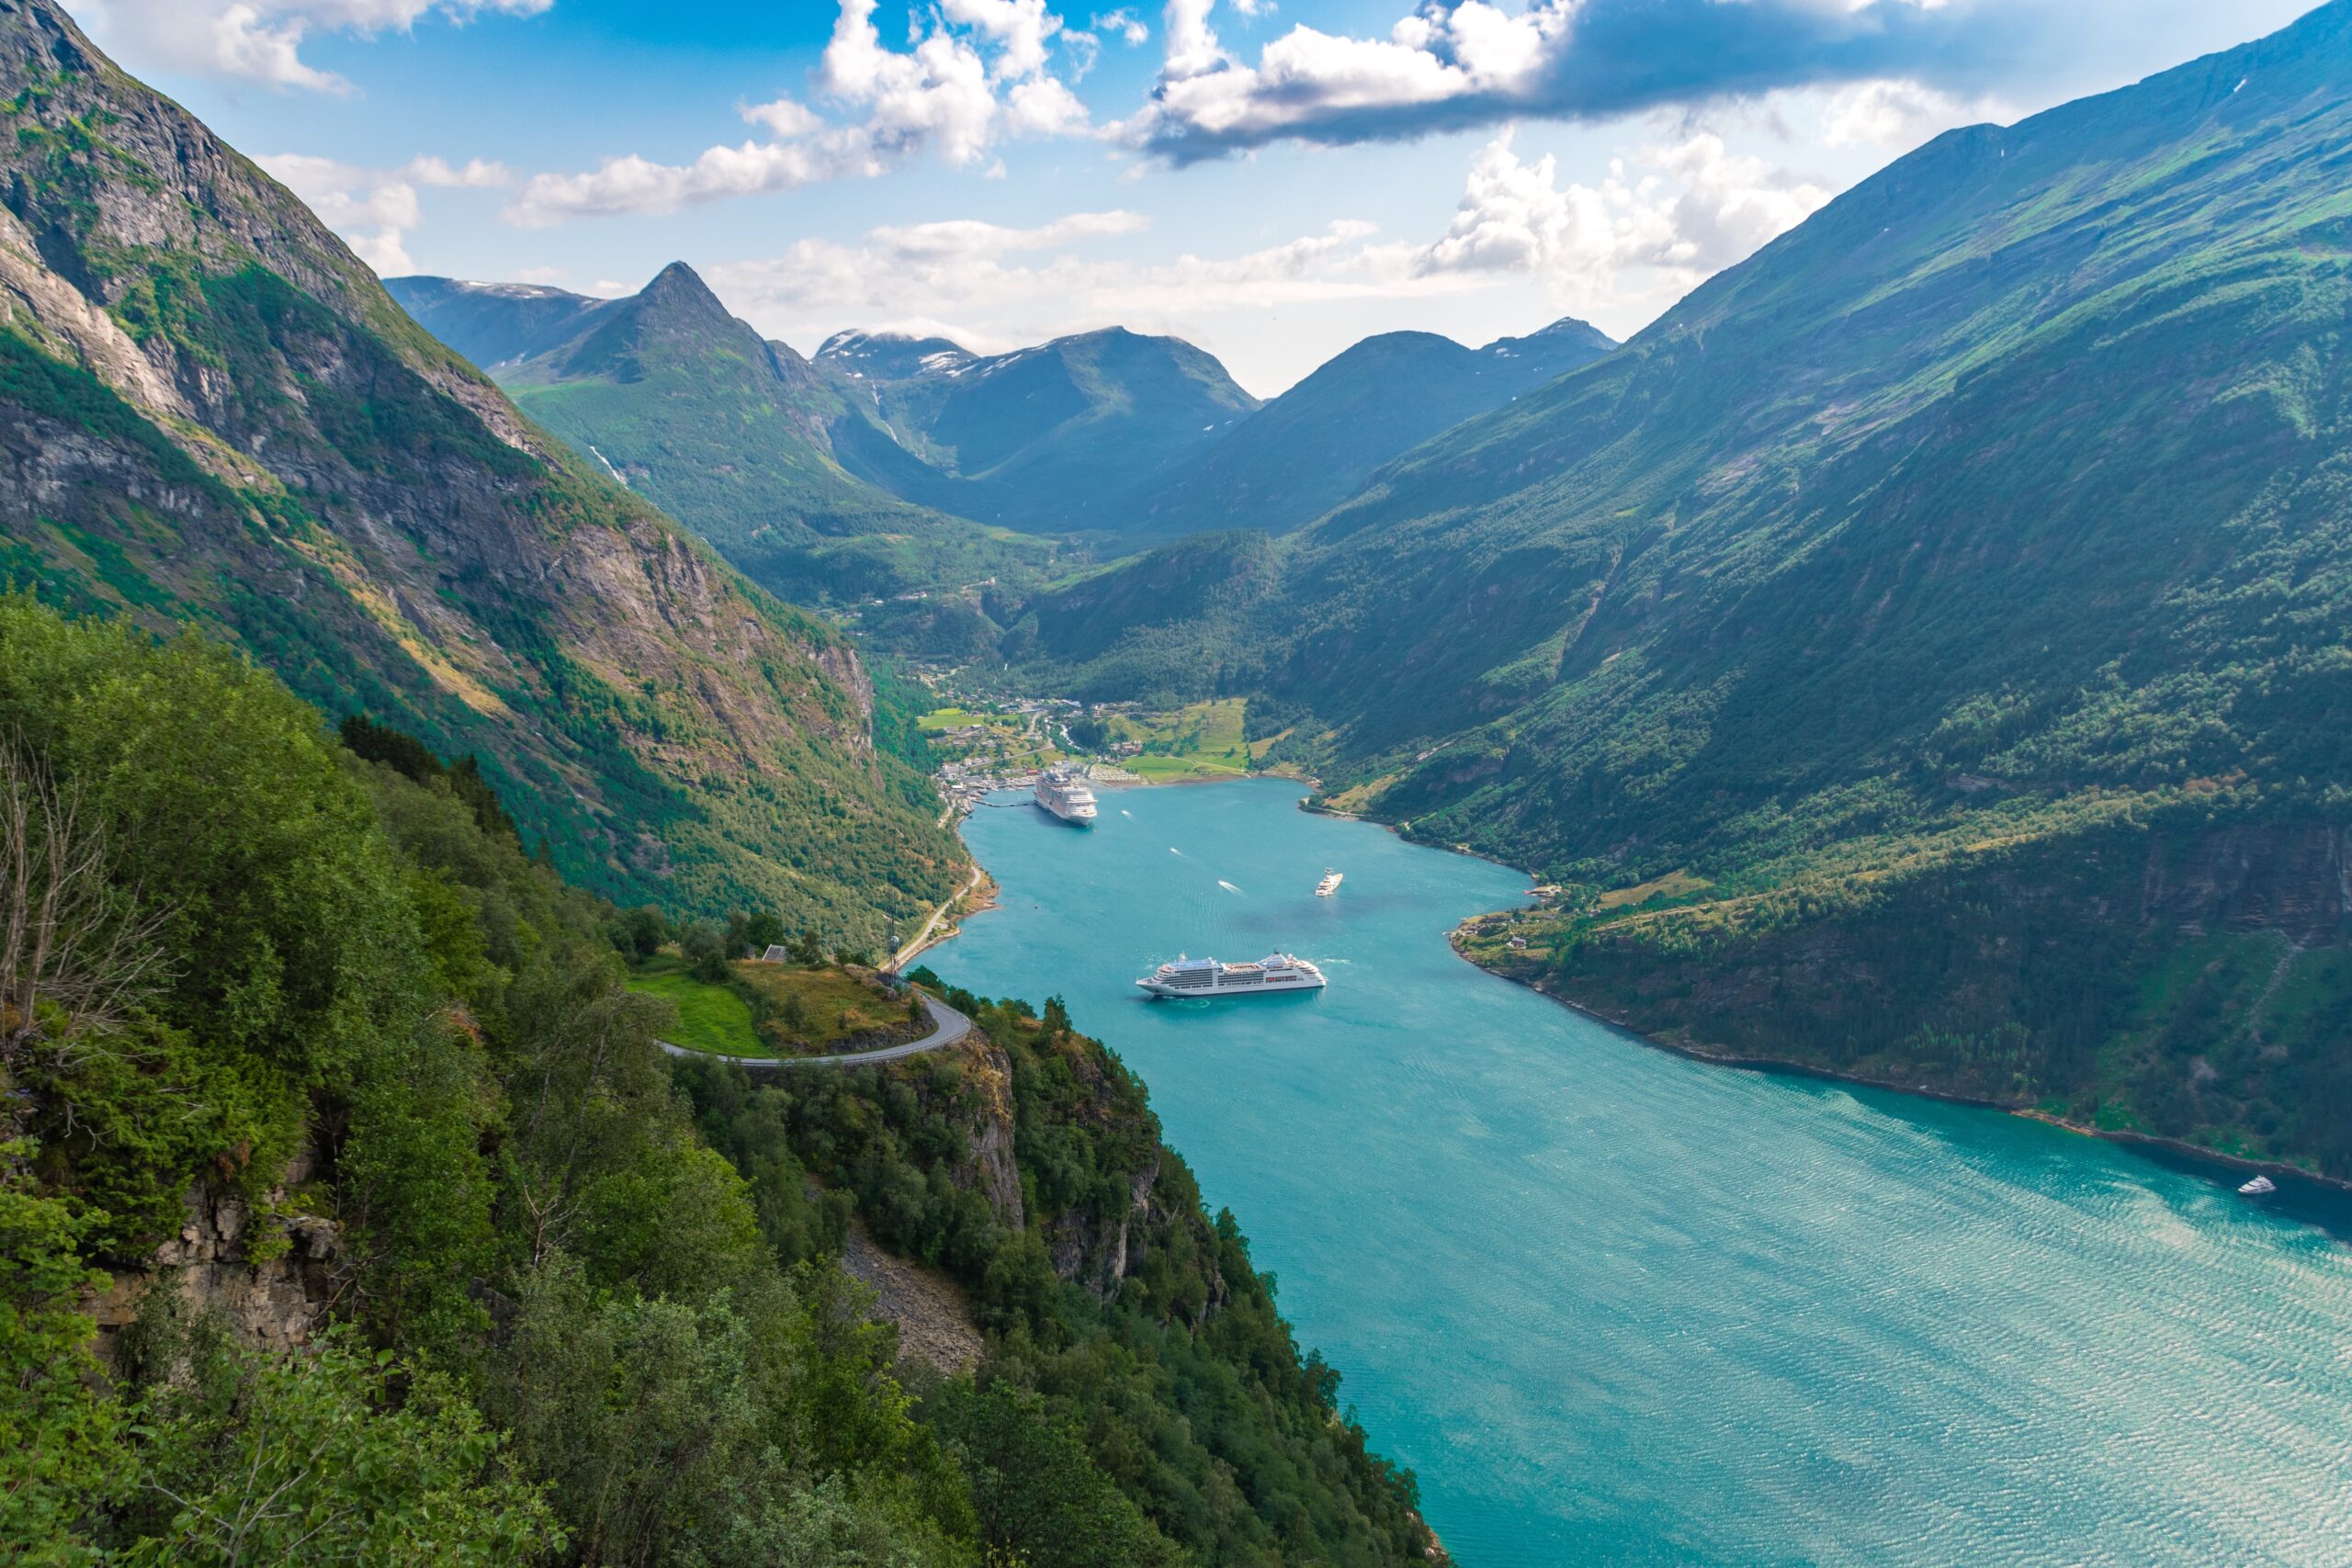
[(1272, 179)]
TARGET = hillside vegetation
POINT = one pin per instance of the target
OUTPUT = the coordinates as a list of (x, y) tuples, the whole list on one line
[(314, 1058), (731, 434), (212, 415), (2002, 504), (1306, 451), (1057, 438)]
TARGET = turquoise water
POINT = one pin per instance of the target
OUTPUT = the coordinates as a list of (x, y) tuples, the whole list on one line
[(1616, 1306)]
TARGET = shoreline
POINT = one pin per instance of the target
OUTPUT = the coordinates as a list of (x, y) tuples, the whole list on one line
[(2179, 1148), (2193, 1153)]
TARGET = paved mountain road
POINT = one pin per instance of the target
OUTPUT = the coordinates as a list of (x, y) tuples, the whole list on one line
[(948, 1026)]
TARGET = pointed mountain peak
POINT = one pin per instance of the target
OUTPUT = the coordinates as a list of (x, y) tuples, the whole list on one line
[(677, 285)]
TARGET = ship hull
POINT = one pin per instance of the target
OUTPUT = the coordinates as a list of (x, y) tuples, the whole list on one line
[(1073, 818), (1263, 988)]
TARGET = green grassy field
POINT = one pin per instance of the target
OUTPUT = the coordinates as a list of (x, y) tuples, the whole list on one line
[(710, 1018), (772, 1010), (1200, 740), (833, 1006), (939, 720)]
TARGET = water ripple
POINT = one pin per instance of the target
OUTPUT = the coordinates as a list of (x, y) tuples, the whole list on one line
[(1616, 1307)]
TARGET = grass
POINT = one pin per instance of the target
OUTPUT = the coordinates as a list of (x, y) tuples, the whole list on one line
[(774, 1010), (835, 1006), (1673, 885), (1200, 740), (710, 1018), (939, 720)]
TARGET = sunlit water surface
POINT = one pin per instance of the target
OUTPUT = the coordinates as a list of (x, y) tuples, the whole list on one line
[(1616, 1306)]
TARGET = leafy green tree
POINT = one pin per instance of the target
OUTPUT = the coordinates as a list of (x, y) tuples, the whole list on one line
[(259, 1459), (643, 932), (62, 1451)]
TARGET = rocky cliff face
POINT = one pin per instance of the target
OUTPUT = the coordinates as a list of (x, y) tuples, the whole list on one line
[(272, 1278), (211, 413)]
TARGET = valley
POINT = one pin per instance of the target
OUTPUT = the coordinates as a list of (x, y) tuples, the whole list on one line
[(540, 1023)]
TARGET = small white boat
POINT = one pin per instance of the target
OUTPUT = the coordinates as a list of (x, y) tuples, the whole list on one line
[(2260, 1186), (1329, 885)]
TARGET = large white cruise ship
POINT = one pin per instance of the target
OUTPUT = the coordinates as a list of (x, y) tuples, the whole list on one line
[(1207, 978), (1062, 790)]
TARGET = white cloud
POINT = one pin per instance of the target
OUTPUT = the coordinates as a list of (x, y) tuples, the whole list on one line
[(373, 209), (976, 71), (785, 119), (1131, 31), (1666, 216), (984, 284), (1019, 29), (1898, 115), (1635, 239), (477, 174), (545, 276), (632, 184), (261, 40), (1448, 64)]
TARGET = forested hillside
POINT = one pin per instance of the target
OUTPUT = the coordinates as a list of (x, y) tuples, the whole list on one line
[(2000, 508), (729, 433), (311, 1055), (211, 414), (1311, 448), (1057, 438)]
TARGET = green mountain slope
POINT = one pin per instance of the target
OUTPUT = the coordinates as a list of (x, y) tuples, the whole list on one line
[(211, 414), (1986, 538), (729, 433), (1313, 446), (1053, 438), (351, 1213), (2003, 504)]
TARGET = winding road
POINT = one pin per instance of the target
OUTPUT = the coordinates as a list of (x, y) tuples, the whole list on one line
[(899, 959), (948, 1026)]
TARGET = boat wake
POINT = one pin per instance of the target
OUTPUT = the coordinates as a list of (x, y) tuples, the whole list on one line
[(1228, 887)]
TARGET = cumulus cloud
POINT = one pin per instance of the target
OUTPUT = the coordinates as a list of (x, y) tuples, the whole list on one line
[(372, 208), (1899, 114), (632, 184), (1684, 211), (261, 40), (1453, 63), (983, 284), (974, 72), (1122, 25), (1668, 215)]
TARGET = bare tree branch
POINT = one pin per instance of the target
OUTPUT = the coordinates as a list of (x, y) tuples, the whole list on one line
[(75, 944)]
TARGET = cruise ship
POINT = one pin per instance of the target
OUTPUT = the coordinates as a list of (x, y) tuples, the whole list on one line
[(1062, 789), (1207, 978), (1330, 883)]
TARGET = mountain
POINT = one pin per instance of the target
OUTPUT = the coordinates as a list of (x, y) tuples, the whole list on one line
[(491, 324), (730, 433), (1055, 438), (1311, 448), (1920, 651), (212, 415)]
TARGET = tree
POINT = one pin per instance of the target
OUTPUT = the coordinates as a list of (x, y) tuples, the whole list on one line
[(303, 1458), (762, 931), (707, 951), (74, 954), (643, 932), (807, 950), (61, 1435)]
